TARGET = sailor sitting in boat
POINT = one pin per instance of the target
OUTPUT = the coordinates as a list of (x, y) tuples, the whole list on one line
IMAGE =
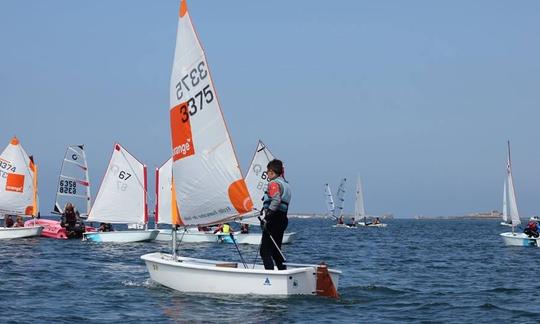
[(105, 227), (276, 204), (340, 220), (8, 221), (244, 229), (366, 222), (72, 222), (19, 222), (532, 229), (223, 228), (353, 222), (376, 221)]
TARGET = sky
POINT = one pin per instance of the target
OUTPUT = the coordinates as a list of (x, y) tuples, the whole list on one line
[(416, 97)]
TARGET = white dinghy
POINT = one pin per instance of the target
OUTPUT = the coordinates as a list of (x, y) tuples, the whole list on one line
[(336, 211), (513, 238), (360, 209), (121, 199), (209, 188), (18, 190)]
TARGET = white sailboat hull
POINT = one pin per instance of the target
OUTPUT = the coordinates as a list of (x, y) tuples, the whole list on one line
[(217, 277), (210, 237), (343, 226), (121, 236), (519, 239), (371, 225), (19, 232)]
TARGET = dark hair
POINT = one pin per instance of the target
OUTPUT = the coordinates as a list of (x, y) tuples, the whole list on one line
[(276, 166)]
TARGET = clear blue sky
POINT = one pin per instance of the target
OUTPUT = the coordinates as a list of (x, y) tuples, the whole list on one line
[(419, 97)]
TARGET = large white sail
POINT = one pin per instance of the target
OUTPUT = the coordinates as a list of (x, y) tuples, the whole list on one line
[(18, 181), (73, 182), (329, 200), (505, 206), (122, 195), (514, 215), (359, 209), (256, 177), (208, 182), (340, 198)]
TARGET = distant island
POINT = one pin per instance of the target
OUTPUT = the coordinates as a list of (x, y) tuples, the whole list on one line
[(494, 214), (316, 215)]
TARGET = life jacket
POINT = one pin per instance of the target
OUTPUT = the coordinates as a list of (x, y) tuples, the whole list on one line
[(226, 228), (532, 225), (285, 191)]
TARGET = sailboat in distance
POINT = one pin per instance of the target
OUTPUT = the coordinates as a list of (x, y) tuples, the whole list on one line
[(210, 189), (18, 190), (513, 238), (360, 210)]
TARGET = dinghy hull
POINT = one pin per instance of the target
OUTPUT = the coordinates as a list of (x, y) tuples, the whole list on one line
[(121, 236), (52, 228), (19, 232), (209, 237), (216, 277), (519, 239), (371, 225)]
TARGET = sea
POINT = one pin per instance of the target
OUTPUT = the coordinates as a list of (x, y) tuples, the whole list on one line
[(418, 271)]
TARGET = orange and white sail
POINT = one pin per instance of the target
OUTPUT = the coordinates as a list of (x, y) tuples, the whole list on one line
[(208, 182), (256, 177), (18, 181), (166, 207), (122, 195)]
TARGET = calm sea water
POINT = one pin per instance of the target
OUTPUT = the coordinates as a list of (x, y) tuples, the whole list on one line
[(411, 271)]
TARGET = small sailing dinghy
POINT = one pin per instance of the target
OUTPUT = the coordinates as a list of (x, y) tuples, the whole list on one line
[(513, 238), (18, 190), (209, 188), (73, 187), (336, 210), (360, 210), (164, 205), (121, 199)]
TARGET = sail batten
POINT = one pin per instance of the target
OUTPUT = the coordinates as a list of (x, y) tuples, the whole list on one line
[(209, 186)]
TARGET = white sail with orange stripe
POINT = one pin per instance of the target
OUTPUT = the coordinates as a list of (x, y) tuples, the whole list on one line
[(165, 204), (18, 181), (122, 195), (256, 177), (209, 186)]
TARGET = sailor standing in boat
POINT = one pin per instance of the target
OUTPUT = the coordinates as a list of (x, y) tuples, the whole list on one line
[(275, 206)]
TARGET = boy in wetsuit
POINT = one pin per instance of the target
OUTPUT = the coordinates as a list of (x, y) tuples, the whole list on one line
[(276, 206)]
